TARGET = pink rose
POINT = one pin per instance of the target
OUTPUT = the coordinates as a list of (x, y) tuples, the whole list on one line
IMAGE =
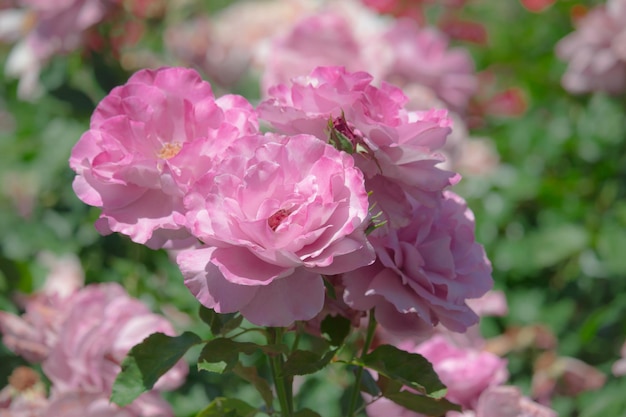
[(35, 332), (396, 149), (424, 271), (341, 33), (54, 27), (150, 139), (423, 56), (466, 372), (276, 213), (596, 51), (103, 323)]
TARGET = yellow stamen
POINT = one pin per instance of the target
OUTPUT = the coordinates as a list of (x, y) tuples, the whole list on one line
[(169, 150)]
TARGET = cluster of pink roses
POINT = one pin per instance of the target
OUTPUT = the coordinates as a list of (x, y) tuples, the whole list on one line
[(285, 39), (80, 336), (265, 218)]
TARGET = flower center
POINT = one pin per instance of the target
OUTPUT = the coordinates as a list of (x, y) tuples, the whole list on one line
[(169, 150), (277, 218), (23, 378)]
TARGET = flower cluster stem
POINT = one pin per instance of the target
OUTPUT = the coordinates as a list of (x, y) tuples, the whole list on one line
[(356, 390), (282, 384)]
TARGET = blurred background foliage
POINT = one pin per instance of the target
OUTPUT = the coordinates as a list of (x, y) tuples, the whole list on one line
[(552, 216)]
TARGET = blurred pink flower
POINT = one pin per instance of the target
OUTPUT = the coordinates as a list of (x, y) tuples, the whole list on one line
[(423, 56), (342, 34), (396, 51), (596, 51), (81, 335), (34, 333), (101, 325), (619, 367), (395, 148), (562, 375), (508, 401), (424, 272), (149, 140), (44, 29), (229, 43), (492, 303), (276, 213), (465, 371)]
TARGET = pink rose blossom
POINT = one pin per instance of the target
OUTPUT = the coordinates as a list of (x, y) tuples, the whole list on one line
[(465, 371), (82, 337), (231, 42), (343, 33), (276, 213), (424, 272), (396, 149), (103, 323), (422, 56), (596, 51), (35, 332), (149, 140), (57, 27)]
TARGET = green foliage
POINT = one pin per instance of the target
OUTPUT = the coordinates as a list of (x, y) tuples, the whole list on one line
[(410, 369), (228, 407), (222, 354), (147, 362)]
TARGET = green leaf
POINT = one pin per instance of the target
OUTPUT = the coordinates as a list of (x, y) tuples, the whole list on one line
[(396, 392), (303, 362), (219, 323), (410, 369), (422, 404), (368, 384), (228, 407), (251, 375), (146, 362), (336, 328), (225, 353)]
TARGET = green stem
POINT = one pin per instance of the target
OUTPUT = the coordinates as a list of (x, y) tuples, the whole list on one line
[(282, 384), (356, 390)]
